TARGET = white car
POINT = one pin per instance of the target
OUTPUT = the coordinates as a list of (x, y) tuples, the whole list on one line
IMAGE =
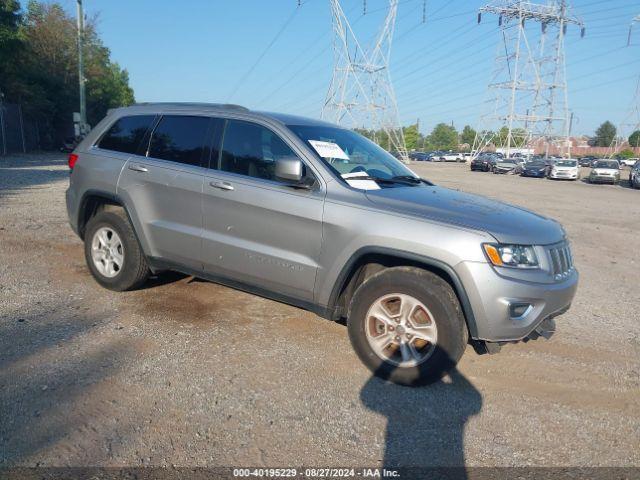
[(605, 171), (629, 162), (565, 169), (451, 157)]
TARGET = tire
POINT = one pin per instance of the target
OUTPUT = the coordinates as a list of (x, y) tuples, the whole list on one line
[(430, 291), (134, 270)]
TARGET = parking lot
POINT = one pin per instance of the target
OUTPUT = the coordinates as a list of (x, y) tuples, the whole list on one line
[(189, 373)]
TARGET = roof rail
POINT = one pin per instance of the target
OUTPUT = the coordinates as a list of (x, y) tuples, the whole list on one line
[(226, 106)]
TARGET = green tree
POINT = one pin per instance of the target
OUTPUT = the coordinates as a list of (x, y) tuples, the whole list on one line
[(626, 153), (443, 137), (634, 139), (468, 136), (605, 134), (11, 47), (411, 136), (45, 77)]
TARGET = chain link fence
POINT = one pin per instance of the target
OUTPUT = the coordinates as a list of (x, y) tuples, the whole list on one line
[(18, 134)]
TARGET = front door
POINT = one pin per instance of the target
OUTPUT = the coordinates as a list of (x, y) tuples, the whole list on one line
[(258, 230)]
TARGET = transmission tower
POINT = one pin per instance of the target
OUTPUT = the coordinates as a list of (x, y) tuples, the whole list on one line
[(528, 89), (360, 94), (633, 22), (629, 124)]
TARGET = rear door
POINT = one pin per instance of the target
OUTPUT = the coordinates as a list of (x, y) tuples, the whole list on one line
[(164, 183), (259, 230)]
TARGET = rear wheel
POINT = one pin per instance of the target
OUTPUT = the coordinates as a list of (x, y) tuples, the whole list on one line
[(112, 252), (406, 326)]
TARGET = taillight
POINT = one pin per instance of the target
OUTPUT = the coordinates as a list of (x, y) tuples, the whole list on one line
[(73, 158)]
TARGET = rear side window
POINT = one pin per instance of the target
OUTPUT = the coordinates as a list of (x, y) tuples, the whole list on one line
[(126, 134), (180, 138)]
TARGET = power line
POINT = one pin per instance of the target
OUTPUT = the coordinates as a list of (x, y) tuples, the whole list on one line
[(264, 52)]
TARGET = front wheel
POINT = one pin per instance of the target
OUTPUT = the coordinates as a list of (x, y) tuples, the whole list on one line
[(406, 326)]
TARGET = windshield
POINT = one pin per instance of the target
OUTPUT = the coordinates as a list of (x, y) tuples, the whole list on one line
[(509, 160), (566, 163), (350, 155), (605, 164)]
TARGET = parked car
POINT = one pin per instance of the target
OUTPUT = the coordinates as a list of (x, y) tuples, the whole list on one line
[(565, 169), (466, 157), (315, 215), (509, 166), (634, 175), (419, 156), (587, 161), (483, 162), (605, 171), (535, 168), (451, 157), (629, 162)]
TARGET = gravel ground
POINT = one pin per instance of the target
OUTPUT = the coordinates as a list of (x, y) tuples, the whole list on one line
[(189, 373)]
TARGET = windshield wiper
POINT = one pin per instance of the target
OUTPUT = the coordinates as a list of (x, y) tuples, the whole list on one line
[(401, 179), (407, 178)]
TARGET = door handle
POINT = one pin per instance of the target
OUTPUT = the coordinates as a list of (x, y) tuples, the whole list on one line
[(138, 168), (221, 185)]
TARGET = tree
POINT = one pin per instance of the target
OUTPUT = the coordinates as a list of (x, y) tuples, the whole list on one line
[(411, 136), (11, 45), (40, 45), (605, 134), (443, 137), (634, 139), (468, 135), (626, 153)]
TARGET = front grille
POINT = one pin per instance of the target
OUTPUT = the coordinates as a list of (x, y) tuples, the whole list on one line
[(561, 261)]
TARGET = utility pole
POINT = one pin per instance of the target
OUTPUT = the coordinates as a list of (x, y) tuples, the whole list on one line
[(528, 90), (360, 92), (81, 79)]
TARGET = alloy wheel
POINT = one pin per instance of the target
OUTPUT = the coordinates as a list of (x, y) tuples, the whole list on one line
[(107, 252), (401, 330)]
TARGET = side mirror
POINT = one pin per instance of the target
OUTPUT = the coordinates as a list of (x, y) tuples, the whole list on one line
[(289, 168)]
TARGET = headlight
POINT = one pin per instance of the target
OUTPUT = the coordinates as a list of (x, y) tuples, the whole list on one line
[(515, 256)]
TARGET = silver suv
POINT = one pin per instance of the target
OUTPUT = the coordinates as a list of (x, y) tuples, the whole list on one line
[(317, 216)]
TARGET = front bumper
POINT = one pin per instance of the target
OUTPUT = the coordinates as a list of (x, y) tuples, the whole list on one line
[(535, 174), (603, 178), (493, 295), (564, 175)]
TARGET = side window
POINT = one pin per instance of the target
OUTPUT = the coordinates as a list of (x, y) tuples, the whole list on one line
[(126, 134), (180, 138), (252, 150)]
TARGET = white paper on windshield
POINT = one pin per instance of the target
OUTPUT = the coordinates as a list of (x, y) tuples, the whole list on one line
[(328, 149), (361, 183)]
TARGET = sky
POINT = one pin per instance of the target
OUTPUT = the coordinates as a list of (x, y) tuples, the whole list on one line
[(275, 55)]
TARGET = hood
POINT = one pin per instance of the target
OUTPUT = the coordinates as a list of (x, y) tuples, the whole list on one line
[(564, 169), (606, 170), (506, 165), (507, 223), (537, 168)]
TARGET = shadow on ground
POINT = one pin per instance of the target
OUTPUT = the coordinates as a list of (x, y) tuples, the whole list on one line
[(46, 377), (425, 425)]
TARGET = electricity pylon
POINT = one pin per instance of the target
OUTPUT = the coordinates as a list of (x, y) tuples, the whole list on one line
[(528, 90), (630, 124), (361, 94), (633, 22)]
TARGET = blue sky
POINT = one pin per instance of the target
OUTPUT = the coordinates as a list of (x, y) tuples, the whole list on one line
[(198, 50)]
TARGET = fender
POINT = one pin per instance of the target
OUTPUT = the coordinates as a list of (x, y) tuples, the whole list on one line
[(413, 257), (115, 199)]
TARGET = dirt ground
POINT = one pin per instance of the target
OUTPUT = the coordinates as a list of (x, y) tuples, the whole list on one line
[(189, 373)]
